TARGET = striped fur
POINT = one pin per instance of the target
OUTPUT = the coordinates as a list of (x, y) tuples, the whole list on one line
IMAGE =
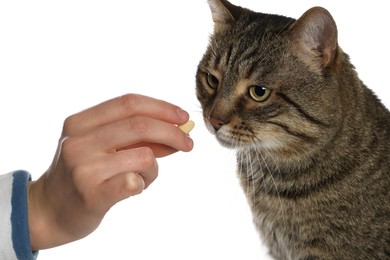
[(313, 157)]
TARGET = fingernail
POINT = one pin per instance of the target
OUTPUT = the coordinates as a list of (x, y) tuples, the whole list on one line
[(142, 182), (189, 142), (182, 114)]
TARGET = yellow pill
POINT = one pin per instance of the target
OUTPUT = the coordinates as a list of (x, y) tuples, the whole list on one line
[(187, 127)]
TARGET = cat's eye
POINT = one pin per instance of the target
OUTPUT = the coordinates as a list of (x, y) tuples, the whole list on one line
[(212, 81), (259, 93)]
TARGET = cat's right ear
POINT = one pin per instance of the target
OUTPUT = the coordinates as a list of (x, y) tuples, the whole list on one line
[(223, 13), (314, 38)]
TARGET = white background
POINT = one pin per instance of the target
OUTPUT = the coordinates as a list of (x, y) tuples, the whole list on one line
[(59, 57)]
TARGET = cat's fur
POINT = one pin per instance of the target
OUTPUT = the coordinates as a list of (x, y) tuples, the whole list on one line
[(313, 154)]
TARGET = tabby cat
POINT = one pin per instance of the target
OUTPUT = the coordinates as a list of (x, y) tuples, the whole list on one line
[(312, 141)]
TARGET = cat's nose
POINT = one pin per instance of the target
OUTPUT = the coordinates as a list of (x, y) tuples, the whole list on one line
[(216, 122)]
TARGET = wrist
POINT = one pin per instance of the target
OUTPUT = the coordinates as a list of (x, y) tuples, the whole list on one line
[(43, 233), (36, 220)]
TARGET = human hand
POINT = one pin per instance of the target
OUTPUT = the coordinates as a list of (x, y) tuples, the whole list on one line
[(106, 153)]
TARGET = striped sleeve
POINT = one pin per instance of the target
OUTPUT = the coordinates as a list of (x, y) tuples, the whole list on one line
[(14, 232)]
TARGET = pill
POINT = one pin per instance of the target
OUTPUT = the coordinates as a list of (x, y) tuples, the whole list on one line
[(187, 127)]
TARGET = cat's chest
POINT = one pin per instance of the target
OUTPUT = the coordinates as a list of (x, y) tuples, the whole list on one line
[(281, 218), (286, 225)]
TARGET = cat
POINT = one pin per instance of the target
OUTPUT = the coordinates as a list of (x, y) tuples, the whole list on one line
[(312, 141)]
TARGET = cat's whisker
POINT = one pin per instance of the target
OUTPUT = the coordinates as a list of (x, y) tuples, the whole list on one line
[(275, 169), (198, 112), (251, 175), (248, 180)]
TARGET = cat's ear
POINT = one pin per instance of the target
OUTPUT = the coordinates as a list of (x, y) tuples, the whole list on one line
[(314, 37), (223, 13)]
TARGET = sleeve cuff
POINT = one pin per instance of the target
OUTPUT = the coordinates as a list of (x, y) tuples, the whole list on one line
[(19, 216)]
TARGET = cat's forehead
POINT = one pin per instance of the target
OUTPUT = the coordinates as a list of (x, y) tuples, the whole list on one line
[(244, 58), (248, 45), (257, 25)]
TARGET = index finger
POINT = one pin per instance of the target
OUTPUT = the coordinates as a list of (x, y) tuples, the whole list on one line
[(123, 107)]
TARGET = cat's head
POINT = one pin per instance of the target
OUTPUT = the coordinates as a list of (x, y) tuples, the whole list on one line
[(268, 81)]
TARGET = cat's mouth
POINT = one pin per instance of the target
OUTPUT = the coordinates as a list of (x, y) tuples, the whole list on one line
[(228, 141), (242, 138), (233, 138)]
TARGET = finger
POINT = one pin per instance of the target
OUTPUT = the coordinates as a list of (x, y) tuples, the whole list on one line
[(120, 187), (104, 167), (125, 184), (136, 130), (140, 160), (159, 150), (124, 107)]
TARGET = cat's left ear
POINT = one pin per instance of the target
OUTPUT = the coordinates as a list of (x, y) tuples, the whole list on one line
[(223, 13), (314, 37)]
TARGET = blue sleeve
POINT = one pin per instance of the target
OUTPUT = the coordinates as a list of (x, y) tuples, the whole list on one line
[(14, 234)]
